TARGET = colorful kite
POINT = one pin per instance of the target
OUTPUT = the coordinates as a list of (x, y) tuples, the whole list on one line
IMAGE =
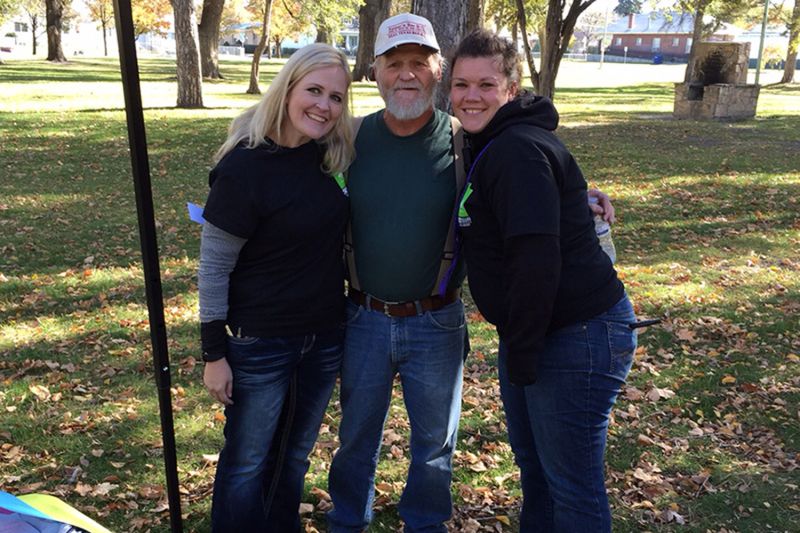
[(42, 513)]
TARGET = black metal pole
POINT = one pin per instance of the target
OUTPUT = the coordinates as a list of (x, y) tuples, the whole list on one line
[(129, 67)]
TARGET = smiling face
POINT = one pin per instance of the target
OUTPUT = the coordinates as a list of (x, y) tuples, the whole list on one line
[(478, 89), (407, 76), (314, 105)]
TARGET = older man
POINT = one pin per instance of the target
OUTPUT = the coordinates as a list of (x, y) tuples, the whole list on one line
[(404, 312), (404, 318)]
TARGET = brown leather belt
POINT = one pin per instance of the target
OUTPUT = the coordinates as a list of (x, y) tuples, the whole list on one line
[(404, 309)]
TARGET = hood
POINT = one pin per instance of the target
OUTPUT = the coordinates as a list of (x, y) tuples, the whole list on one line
[(527, 109)]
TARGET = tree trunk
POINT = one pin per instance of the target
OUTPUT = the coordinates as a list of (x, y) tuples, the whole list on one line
[(262, 43), (105, 38), (370, 16), (34, 27), (323, 36), (522, 22), (54, 11), (208, 33), (794, 44), (515, 35), (553, 43), (187, 53), (449, 20), (475, 13), (697, 35), (558, 33), (277, 40), (549, 52)]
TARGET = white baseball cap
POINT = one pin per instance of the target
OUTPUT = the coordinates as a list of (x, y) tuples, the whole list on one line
[(404, 28)]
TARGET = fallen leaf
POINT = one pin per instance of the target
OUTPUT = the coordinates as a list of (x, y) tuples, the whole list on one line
[(102, 489), (644, 440), (40, 391), (656, 394), (503, 519)]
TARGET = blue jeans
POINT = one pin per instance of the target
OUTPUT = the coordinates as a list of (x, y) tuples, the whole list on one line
[(281, 387), (427, 352), (558, 425)]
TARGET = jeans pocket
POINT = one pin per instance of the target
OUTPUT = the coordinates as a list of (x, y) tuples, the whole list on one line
[(351, 312), (448, 318), (622, 345), (242, 341)]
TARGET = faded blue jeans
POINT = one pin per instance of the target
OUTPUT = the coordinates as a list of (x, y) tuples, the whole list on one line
[(558, 425), (427, 352), (281, 387)]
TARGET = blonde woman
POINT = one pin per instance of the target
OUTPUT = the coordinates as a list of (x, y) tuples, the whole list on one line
[(271, 289)]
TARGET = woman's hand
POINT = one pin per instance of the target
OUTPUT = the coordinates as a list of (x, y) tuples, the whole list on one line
[(218, 380), (603, 206)]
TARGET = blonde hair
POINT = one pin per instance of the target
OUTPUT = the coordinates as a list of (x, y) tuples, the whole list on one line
[(268, 116)]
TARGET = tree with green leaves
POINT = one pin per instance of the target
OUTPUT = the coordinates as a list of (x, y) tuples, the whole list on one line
[(102, 12), (628, 7), (187, 55), (503, 14), (54, 13), (7, 8), (328, 16)]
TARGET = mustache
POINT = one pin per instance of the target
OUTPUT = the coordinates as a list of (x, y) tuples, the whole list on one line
[(407, 85)]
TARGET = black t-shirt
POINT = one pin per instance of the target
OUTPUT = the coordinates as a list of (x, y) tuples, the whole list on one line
[(528, 184), (288, 279)]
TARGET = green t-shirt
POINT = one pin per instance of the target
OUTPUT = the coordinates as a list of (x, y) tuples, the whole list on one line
[(402, 191)]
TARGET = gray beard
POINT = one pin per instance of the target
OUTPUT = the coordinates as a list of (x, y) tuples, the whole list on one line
[(409, 111)]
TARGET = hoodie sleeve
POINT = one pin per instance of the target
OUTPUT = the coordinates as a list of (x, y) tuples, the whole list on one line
[(525, 200), (531, 270)]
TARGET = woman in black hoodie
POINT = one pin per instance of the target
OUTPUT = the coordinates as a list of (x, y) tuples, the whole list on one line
[(537, 272)]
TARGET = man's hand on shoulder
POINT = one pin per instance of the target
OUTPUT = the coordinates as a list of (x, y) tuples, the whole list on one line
[(603, 206)]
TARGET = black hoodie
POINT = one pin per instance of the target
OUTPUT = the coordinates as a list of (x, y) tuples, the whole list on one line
[(533, 258)]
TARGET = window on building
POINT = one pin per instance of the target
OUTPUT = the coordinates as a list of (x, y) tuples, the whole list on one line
[(656, 44), (638, 41), (20, 26), (688, 45), (676, 42), (619, 41)]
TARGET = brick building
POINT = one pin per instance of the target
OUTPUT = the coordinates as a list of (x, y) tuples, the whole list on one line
[(649, 34)]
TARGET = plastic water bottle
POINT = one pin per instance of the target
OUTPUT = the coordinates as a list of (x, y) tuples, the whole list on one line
[(603, 231)]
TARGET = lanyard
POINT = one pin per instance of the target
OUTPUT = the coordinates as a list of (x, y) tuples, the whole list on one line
[(461, 220), (464, 219), (340, 181)]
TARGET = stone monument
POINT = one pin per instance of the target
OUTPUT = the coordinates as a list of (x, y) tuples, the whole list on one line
[(718, 87)]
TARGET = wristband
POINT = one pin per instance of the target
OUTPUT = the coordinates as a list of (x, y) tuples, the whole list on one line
[(213, 340)]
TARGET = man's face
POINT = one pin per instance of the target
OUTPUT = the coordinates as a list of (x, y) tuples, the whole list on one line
[(407, 77)]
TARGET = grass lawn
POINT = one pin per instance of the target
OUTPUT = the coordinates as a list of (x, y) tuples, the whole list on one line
[(706, 433)]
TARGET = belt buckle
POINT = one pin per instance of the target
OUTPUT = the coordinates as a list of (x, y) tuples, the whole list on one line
[(386, 309)]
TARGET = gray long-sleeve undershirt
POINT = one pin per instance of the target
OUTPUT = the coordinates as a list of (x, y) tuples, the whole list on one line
[(219, 251)]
